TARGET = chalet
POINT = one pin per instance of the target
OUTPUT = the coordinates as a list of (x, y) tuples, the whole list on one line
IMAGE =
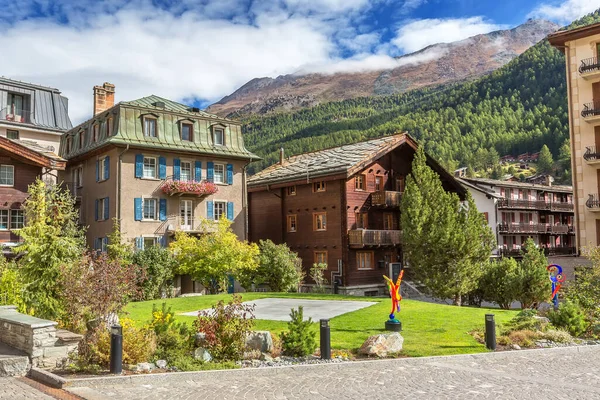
[(340, 206)]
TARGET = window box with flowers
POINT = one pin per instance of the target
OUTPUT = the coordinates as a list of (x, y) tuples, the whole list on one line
[(173, 187)]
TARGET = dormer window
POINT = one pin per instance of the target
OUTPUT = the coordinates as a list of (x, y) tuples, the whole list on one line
[(187, 131), (95, 132), (69, 144), (219, 136), (80, 140), (150, 127), (109, 127)]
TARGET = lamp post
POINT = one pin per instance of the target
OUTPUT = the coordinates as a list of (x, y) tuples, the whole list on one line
[(116, 349)]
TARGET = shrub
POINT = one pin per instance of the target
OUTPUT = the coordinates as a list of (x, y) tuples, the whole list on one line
[(557, 336), (317, 273), (534, 285), (299, 340), (226, 328), (503, 340), (524, 338), (499, 283), (159, 265), (525, 320), (12, 289), (585, 288), (570, 317), (174, 340), (277, 345)]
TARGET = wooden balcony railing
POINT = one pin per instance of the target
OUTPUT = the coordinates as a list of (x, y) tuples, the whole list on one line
[(561, 206), (591, 154), (589, 64), (386, 199), (373, 238), (548, 251), (535, 204), (591, 109), (534, 228)]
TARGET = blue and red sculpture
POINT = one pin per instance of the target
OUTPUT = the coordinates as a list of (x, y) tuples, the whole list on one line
[(557, 278), (395, 294)]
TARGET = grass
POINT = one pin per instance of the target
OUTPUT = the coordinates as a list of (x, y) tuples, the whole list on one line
[(428, 329)]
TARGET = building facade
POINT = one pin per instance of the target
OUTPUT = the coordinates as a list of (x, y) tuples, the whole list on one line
[(581, 47), (339, 206), (544, 213), (157, 166)]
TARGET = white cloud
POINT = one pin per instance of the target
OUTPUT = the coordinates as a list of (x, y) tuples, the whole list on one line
[(418, 34), (410, 5), (565, 11)]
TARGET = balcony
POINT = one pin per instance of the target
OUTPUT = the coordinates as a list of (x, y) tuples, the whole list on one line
[(548, 251), (589, 68), (561, 206), (181, 188), (13, 114), (591, 156), (593, 203), (386, 199), (360, 238), (522, 204), (522, 228), (591, 111)]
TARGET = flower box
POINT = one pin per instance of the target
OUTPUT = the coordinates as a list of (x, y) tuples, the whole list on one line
[(173, 187)]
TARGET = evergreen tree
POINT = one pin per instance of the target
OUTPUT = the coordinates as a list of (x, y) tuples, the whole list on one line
[(545, 161), (534, 285)]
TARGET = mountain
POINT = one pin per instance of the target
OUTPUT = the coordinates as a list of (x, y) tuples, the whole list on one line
[(517, 108), (434, 65)]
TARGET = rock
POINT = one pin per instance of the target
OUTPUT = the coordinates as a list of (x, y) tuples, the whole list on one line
[(200, 339), (383, 344), (266, 357), (260, 340), (14, 366), (145, 367), (202, 354), (161, 364), (515, 347), (540, 322)]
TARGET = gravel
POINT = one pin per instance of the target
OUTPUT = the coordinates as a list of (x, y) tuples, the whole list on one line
[(284, 360)]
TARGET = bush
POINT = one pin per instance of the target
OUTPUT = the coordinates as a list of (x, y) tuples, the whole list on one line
[(525, 320), (557, 336), (174, 340), (585, 288), (317, 273), (159, 265), (534, 285), (299, 340), (12, 288), (226, 328), (570, 317), (499, 283), (524, 338)]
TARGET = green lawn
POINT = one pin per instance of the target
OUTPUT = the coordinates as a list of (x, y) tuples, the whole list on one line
[(428, 329)]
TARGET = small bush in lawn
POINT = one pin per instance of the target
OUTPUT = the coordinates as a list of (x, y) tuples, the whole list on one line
[(557, 336), (503, 340), (174, 340), (570, 317), (299, 340), (524, 338), (226, 327), (524, 320), (277, 346)]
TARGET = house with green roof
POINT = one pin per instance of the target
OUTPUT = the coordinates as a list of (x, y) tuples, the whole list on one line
[(157, 166)]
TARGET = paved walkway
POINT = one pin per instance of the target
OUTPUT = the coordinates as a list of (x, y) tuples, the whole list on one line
[(533, 374), (16, 388)]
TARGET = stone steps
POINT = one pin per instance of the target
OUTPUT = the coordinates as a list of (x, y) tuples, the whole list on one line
[(13, 362)]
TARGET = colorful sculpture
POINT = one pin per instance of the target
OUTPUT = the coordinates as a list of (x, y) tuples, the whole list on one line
[(395, 294), (557, 278)]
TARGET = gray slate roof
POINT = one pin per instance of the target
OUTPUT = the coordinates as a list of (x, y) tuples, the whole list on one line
[(521, 185), (332, 161), (34, 146)]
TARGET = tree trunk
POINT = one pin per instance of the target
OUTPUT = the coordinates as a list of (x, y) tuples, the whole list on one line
[(457, 300)]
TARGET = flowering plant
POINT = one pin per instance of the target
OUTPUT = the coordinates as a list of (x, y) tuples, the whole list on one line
[(199, 188)]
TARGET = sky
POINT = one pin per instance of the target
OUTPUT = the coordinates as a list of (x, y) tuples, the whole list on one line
[(197, 51)]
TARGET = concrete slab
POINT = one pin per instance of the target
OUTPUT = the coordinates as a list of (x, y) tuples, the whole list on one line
[(277, 309)]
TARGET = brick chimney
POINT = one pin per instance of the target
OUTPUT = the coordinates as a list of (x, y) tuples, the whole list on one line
[(104, 97)]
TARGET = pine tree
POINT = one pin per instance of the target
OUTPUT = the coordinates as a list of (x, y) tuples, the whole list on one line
[(545, 161)]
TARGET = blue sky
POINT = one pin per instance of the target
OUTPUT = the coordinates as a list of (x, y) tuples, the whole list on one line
[(197, 51)]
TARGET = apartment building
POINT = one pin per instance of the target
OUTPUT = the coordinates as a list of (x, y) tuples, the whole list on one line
[(522, 210), (581, 47), (340, 206)]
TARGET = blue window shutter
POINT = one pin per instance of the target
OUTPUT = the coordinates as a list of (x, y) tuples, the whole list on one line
[(137, 202), (163, 241), (139, 243), (107, 167), (210, 210), (210, 171), (198, 171), (106, 208), (97, 170), (96, 211), (97, 244), (139, 165), (230, 210), (230, 174), (162, 167), (176, 169), (162, 212)]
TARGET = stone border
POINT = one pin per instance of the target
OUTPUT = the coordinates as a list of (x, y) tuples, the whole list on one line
[(229, 373)]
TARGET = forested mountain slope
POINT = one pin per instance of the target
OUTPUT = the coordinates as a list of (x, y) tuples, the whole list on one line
[(515, 109)]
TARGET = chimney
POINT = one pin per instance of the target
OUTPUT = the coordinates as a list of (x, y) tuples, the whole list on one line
[(104, 97), (281, 156), (549, 180)]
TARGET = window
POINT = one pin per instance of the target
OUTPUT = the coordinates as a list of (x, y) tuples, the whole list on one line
[(320, 221), (15, 110), (291, 190), (102, 169), (7, 175), (220, 210), (186, 217), (319, 186), (17, 219), (218, 136), (378, 183), (185, 173), (359, 182), (78, 177), (109, 127), (80, 137), (149, 168), (292, 223), (149, 211), (95, 132), (187, 132), (4, 219), (69, 144), (364, 260), (102, 209), (150, 127), (388, 221), (400, 184), (320, 257), (11, 134), (219, 173), (361, 220), (149, 242)]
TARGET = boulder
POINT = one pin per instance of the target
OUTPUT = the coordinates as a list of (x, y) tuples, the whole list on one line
[(145, 367), (383, 344), (541, 322), (202, 354), (161, 364), (260, 340), (266, 357), (200, 339)]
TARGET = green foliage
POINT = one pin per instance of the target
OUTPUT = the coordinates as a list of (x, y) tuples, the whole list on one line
[(174, 340), (211, 258), (51, 238), (570, 317), (118, 249), (446, 242), (159, 266), (534, 285), (564, 155), (545, 161), (317, 274), (226, 327), (299, 339), (525, 320), (499, 283), (12, 287), (278, 267), (584, 289)]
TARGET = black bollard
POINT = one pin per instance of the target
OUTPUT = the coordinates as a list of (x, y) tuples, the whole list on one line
[(325, 340), (116, 349), (490, 332)]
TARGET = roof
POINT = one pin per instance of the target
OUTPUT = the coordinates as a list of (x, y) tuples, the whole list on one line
[(32, 152), (559, 38), (46, 108), (522, 185), (172, 106), (480, 189)]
